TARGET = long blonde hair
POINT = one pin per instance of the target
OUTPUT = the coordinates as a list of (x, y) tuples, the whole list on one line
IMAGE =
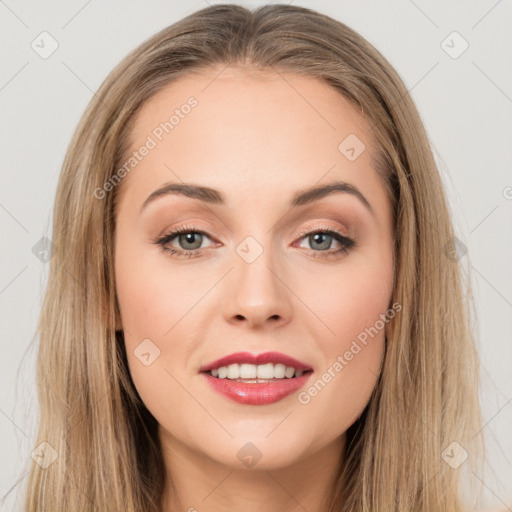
[(107, 451)]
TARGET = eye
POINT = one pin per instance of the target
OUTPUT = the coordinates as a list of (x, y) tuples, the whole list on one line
[(189, 237), (320, 241), (190, 242)]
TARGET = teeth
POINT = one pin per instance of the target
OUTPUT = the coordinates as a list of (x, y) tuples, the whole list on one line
[(252, 371), (247, 371), (233, 371), (279, 371), (289, 372), (265, 371)]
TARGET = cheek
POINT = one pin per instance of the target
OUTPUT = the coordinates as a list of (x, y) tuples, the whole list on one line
[(354, 306), (153, 295), (158, 301), (350, 299), (151, 312)]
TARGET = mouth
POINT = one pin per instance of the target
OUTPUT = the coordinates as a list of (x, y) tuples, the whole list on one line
[(256, 379)]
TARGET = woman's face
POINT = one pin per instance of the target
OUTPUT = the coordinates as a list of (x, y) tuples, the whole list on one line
[(256, 269)]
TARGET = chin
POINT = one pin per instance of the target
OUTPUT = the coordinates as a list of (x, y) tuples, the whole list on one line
[(257, 452)]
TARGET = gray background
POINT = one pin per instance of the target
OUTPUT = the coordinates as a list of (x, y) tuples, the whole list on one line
[(465, 103)]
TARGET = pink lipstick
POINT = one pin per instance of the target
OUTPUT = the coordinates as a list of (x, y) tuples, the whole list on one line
[(256, 379)]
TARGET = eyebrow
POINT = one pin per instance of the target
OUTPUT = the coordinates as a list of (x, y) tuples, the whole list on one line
[(300, 198)]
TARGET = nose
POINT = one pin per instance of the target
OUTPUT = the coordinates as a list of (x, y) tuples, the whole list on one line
[(257, 294)]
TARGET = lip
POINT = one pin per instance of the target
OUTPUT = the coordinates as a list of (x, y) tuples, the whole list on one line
[(256, 359), (254, 393)]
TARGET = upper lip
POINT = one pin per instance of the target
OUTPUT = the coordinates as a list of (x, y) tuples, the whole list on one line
[(247, 357)]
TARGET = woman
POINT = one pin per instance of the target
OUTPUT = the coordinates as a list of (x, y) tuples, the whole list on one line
[(253, 368)]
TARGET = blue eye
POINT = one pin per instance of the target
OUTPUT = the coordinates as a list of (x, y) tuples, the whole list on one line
[(190, 239), (185, 235), (324, 238)]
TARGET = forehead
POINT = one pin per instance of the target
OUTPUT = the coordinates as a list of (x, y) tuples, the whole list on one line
[(234, 96), (250, 129)]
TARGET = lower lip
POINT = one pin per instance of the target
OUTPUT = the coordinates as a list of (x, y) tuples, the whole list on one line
[(254, 393)]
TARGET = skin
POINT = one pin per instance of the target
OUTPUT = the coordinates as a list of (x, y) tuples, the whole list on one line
[(253, 137)]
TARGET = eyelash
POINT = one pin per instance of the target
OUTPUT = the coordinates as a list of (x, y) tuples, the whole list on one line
[(347, 243)]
